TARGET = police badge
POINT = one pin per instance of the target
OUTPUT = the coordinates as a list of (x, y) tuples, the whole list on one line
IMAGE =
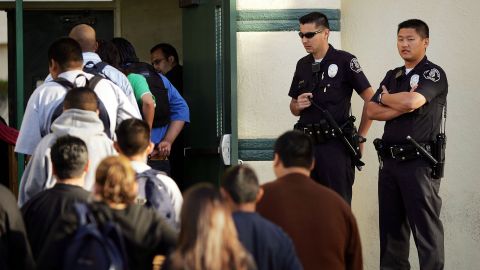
[(414, 80), (355, 66), (332, 70)]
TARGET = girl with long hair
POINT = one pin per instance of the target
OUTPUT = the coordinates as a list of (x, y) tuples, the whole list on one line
[(208, 238)]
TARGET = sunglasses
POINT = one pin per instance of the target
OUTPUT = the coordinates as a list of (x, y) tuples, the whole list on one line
[(309, 35)]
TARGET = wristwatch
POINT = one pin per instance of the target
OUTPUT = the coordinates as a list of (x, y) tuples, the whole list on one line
[(379, 98), (361, 139)]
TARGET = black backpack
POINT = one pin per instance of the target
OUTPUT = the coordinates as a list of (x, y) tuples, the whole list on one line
[(92, 83), (95, 246), (155, 83), (156, 195), (96, 69)]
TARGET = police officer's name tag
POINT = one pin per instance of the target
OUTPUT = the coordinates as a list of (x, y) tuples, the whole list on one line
[(332, 70), (414, 80)]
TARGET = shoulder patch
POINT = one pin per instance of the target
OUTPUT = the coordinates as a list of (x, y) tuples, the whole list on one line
[(355, 66), (432, 74)]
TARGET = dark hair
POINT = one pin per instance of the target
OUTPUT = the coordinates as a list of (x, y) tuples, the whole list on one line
[(82, 98), (420, 27), (108, 52), (167, 49), (208, 238), (125, 50), (315, 17), (65, 51), (241, 183), (133, 136), (69, 157), (295, 149)]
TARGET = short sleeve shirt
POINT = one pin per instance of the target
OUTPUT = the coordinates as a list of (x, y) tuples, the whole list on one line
[(332, 85), (140, 87), (423, 124)]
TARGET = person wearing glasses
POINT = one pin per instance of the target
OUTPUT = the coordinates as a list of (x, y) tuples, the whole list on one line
[(165, 60), (326, 78)]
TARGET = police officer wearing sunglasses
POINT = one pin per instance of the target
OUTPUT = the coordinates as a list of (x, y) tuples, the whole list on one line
[(324, 80)]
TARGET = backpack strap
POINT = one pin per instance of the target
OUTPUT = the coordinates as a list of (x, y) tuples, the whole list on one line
[(83, 213), (95, 69), (64, 82)]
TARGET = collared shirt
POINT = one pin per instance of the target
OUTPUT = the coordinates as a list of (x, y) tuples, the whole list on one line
[(423, 124), (179, 110), (332, 85), (113, 74), (45, 99)]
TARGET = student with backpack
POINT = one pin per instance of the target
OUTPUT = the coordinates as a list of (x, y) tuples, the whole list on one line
[(69, 156), (85, 35), (109, 53), (156, 189), (65, 63), (132, 234), (80, 118), (171, 111)]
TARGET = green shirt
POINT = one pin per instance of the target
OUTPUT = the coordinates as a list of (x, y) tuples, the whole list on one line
[(140, 87)]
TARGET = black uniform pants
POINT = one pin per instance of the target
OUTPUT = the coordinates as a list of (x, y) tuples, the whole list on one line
[(408, 200), (334, 168)]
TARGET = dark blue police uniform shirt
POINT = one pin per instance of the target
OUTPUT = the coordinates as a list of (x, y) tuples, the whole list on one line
[(332, 87), (423, 124), (269, 244)]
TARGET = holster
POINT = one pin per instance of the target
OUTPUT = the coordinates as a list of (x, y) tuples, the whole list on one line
[(439, 147)]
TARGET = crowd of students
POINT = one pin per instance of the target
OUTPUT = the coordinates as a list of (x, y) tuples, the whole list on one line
[(88, 190)]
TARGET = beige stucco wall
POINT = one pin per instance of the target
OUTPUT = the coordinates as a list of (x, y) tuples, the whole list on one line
[(148, 22), (369, 31)]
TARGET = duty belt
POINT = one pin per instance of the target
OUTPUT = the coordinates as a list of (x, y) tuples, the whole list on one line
[(402, 151), (320, 133)]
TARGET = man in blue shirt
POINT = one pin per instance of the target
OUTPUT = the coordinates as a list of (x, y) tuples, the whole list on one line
[(271, 247), (163, 137), (166, 124)]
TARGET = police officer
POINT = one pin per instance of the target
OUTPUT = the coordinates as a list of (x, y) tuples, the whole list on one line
[(327, 77), (410, 99)]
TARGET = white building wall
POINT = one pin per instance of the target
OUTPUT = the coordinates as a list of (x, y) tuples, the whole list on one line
[(369, 31)]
